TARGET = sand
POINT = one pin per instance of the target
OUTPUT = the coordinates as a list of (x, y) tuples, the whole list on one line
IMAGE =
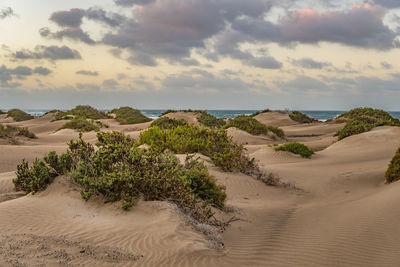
[(338, 211)]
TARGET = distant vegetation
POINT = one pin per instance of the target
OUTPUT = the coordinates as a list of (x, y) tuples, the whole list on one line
[(300, 117), (191, 139), (82, 124), (209, 120), (168, 123), (362, 120), (183, 110), (2, 112), (253, 126), (393, 172), (12, 131), (296, 148), (19, 115), (120, 170), (87, 112), (260, 112), (128, 115)]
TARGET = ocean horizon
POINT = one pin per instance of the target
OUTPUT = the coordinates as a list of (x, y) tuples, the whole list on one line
[(321, 115)]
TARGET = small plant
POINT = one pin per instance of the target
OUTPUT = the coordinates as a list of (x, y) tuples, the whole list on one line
[(86, 112), (168, 123), (209, 120), (296, 148), (12, 131), (300, 117), (253, 126), (128, 115), (19, 115), (362, 120), (393, 171), (261, 112), (2, 112), (33, 179), (81, 124)]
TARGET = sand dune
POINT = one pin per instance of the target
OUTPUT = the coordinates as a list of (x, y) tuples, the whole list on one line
[(341, 214), (275, 119)]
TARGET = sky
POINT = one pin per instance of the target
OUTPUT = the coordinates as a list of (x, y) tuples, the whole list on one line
[(200, 54)]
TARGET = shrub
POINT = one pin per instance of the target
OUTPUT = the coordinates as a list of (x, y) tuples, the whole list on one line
[(128, 115), (362, 120), (11, 131), (168, 123), (209, 120), (60, 164), (168, 111), (81, 124), (33, 179), (296, 148), (121, 170), (300, 117), (253, 126), (260, 112), (2, 112), (19, 115), (87, 112), (191, 139), (393, 171)]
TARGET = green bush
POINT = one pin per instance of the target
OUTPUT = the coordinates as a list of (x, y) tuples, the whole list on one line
[(2, 112), (300, 117), (296, 148), (19, 115), (87, 112), (60, 164), (128, 115), (168, 123), (260, 112), (209, 120), (191, 139), (81, 124), (11, 131), (362, 120), (253, 126), (393, 171), (120, 170), (33, 179)]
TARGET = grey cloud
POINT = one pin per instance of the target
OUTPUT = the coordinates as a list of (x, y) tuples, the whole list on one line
[(264, 63), (42, 71), (110, 84), (98, 14), (133, 2), (48, 52), (87, 73), (303, 84), (69, 18), (386, 65), (142, 59), (309, 63), (21, 71), (6, 12), (76, 34), (388, 3)]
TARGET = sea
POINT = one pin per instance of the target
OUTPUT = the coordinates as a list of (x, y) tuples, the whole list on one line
[(321, 115)]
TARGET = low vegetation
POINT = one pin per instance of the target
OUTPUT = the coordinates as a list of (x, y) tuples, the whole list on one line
[(82, 125), (362, 120), (86, 112), (191, 139), (120, 170), (19, 115), (393, 171), (260, 112), (209, 120), (2, 112), (168, 123), (12, 131), (128, 115), (300, 117), (253, 126), (296, 148)]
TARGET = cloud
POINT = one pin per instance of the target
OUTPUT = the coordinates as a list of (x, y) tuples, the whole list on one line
[(87, 73), (99, 15), (133, 2), (386, 65), (264, 62), (69, 18), (76, 34), (387, 3), (6, 12), (309, 63), (7, 75), (48, 52)]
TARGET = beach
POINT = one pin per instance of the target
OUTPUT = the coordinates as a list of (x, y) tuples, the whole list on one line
[(333, 209)]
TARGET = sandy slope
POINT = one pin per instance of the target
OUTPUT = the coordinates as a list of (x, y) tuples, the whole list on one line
[(341, 215)]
